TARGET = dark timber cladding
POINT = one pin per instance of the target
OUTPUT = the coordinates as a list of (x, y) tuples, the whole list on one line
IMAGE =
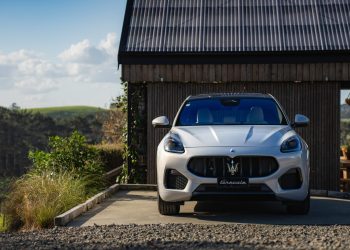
[(299, 51)]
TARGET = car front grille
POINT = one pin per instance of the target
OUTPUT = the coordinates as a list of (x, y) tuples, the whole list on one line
[(240, 166)]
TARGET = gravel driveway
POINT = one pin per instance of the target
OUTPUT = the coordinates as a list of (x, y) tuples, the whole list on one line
[(180, 236), (137, 224)]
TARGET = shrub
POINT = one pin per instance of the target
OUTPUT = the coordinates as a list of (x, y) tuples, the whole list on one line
[(37, 198), (111, 155), (60, 179), (5, 183), (71, 154)]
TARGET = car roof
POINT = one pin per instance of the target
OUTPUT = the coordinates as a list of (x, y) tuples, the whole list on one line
[(219, 95)]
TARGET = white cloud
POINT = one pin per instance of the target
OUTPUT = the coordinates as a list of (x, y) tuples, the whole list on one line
[(85, 53), (31, 73), (17, 56), (7, 70), (109, 45), (28, 72), (36, 85), (82, 61), (42, 68), (34, 98)]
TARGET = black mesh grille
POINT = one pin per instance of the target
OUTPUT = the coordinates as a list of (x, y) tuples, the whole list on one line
[(175, 180), (240, 166)]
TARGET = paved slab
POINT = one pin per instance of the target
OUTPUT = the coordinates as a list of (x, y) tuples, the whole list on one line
[(140, 207)]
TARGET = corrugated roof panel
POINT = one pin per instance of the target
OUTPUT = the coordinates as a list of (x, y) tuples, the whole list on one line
[(238, 25)]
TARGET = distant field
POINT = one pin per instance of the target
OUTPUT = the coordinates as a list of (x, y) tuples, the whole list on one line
[(68, 111)]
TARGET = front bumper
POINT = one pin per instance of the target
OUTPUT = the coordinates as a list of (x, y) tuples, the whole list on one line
[(286, 161)]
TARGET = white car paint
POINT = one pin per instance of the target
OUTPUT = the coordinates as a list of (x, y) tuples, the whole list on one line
[(231, 141)]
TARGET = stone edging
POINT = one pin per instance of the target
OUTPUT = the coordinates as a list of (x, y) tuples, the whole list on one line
[(65, 218), (151, 187)]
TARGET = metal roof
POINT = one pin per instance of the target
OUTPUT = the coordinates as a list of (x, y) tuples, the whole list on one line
[(239, 26)]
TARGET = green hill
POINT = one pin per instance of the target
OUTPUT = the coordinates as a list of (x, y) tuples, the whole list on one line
[(68, 111)]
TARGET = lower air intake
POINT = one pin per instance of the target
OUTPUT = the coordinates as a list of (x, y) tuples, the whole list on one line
[(175, 180), (291, 180)]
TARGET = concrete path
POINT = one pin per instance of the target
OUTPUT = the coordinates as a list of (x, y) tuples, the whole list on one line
[(140, 207)]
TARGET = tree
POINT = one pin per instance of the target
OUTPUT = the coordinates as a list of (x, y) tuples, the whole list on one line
[(113, 126), (14, 106)]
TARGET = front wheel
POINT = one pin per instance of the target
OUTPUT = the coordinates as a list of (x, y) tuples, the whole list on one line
[(168, 208), (300, 207)]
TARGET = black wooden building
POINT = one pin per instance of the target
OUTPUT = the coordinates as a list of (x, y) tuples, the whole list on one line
[(299, 51)]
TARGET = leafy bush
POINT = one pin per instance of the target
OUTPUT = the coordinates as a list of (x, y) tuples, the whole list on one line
[(111, 155), (71, 154), (344, 132), (37, 198), (5, 183), (60, 179)]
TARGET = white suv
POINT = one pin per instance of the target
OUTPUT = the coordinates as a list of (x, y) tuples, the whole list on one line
[(232, 146)]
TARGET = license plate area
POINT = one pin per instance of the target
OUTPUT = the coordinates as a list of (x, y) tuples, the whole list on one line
[(233, 182)]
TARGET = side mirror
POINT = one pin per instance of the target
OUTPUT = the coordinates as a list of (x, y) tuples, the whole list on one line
[(300, 121), (161, 122)]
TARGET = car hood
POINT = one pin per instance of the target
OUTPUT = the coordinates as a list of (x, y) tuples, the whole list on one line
[(233, 135)]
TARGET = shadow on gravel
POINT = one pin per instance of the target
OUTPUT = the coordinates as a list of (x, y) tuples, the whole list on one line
[(323, 211)]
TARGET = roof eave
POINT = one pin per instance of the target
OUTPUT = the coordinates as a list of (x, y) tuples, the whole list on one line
[(256, 57)]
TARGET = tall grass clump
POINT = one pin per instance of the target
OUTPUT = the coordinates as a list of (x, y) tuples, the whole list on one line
[(37, 199), (3, 227), (60, 179)]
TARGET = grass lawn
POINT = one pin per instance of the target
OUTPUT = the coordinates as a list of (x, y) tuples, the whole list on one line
[(68, 111)]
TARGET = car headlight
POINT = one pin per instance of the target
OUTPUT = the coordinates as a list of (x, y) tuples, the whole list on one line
[(292, 144), (173, 144)]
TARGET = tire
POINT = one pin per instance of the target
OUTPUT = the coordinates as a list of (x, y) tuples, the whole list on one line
[(300, 208), (168, 208)]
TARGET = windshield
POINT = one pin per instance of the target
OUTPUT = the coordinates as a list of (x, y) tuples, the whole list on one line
[(231, 111)]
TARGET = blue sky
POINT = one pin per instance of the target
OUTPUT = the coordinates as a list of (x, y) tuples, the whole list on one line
[(59, 52)]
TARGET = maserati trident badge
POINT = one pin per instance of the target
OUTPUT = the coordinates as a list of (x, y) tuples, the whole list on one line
[(232, 167)]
